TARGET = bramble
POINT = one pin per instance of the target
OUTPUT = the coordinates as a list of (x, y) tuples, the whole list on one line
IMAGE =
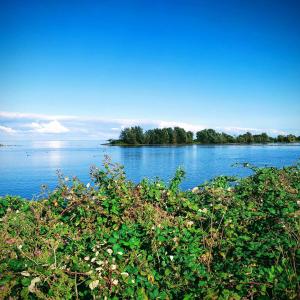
[(226, 239)]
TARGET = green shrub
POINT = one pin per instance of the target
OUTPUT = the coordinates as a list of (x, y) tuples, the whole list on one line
[(227, 239)]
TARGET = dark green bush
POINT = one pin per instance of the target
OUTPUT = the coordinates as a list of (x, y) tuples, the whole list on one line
[(227, 239)]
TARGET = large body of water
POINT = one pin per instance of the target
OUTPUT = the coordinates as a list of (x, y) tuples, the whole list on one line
[(27, 166)]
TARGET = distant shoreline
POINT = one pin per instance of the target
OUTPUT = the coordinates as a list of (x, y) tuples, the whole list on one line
[(3, 145), (136, 136), (202, 144)]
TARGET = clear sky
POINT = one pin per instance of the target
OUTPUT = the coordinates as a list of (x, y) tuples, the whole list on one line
[(87, 68)]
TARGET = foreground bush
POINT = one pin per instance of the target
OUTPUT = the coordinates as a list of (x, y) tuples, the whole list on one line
[(227, 239)]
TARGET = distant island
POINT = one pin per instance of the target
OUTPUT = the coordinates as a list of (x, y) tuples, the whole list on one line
[(134, 136), (3, 145)]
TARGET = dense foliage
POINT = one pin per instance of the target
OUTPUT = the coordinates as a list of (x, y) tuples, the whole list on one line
[(160, 136), (210, 136), (227, 239), (136, 135)]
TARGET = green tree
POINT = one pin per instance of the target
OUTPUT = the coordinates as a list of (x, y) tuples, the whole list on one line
[(127, 136), (281, 138), (139, 133), (246, 138), (164, 136), (226, 138), (189, 137), (181, 137), (132, 135), (171, 135), (208, 136), (261, 138), (290, 138)]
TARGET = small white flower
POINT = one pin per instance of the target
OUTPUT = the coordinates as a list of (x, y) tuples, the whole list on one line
[(25, 273), (93, 259), (33, 282), (195, 190), (125, 274), (109, 251), (132, 280), (171, 257), (113, 267), (189, 223), (298, 202), (97, 253), (120, 253), (94, 284), (115, 282), (20, 247), (99, 262), (87, 258)]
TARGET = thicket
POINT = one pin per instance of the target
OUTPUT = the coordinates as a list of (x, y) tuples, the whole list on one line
[(158, 136), (231, 238), (136, 135)]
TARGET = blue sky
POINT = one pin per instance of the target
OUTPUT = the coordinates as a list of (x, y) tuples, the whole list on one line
[(74, 69)]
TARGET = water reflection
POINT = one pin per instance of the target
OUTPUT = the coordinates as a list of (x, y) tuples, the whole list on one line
[(23, 169), (49, 144), (55, 158), (55, 144)]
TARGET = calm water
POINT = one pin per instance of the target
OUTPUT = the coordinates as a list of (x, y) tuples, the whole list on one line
[(24, 168)]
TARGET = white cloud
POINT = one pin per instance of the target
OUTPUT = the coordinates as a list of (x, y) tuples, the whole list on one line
[(275, 131), (70, 118), (50, 127), (7, 130), (240, 130), (17, 115), (186, 126), (91, 127)]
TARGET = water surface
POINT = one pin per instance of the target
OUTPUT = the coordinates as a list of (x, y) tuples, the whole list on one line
[(24, 168)]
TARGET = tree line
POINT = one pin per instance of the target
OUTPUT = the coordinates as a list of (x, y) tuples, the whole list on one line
[(157, 136), (174, 136)]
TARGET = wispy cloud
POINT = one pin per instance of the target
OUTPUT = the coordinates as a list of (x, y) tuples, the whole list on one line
[(19, 116), (7, 130), (30, 125), (186, 126), (239, 130), (49, 127)]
